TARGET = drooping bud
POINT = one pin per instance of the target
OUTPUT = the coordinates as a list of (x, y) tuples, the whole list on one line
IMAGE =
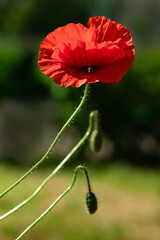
[(91, 202), (96, 141)]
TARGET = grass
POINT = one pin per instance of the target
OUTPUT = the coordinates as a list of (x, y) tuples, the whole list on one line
[(128, 205)]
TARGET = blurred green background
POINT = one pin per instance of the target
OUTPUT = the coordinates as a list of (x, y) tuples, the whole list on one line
[(33, 109)]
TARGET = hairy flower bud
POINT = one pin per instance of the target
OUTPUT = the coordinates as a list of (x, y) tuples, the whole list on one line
[(96, 140), (91, 202)]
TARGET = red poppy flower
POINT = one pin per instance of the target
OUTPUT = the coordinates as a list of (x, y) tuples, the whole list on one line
[(74, 54)]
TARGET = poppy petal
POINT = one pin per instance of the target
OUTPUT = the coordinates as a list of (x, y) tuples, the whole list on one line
[(67, 34), (107, 30)]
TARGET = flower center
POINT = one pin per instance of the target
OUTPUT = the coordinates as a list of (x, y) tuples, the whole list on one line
[(90, 69)]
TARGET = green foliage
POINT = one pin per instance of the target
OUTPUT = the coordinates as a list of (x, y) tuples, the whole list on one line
[(34, 17), (16, 78)]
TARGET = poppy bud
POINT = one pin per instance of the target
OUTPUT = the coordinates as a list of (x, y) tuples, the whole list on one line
[(96, 141), (91, 202)]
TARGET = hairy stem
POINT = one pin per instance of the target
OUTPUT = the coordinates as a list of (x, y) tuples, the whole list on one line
[(52, 145), (79, 144), (55, 202)]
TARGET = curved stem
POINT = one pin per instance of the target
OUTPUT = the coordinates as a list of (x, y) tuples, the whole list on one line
[(96, 120), (55, 202), (79, 144), (52, 145), (87, 177)]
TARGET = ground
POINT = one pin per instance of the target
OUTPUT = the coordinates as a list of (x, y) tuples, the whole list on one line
[(128, 205)]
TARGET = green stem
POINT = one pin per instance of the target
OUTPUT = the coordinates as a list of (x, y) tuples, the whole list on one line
[(96, 120), (55, 202), (52, 145), (79, 144)]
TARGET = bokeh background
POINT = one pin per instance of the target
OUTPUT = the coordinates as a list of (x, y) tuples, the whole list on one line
[(33, 109)]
